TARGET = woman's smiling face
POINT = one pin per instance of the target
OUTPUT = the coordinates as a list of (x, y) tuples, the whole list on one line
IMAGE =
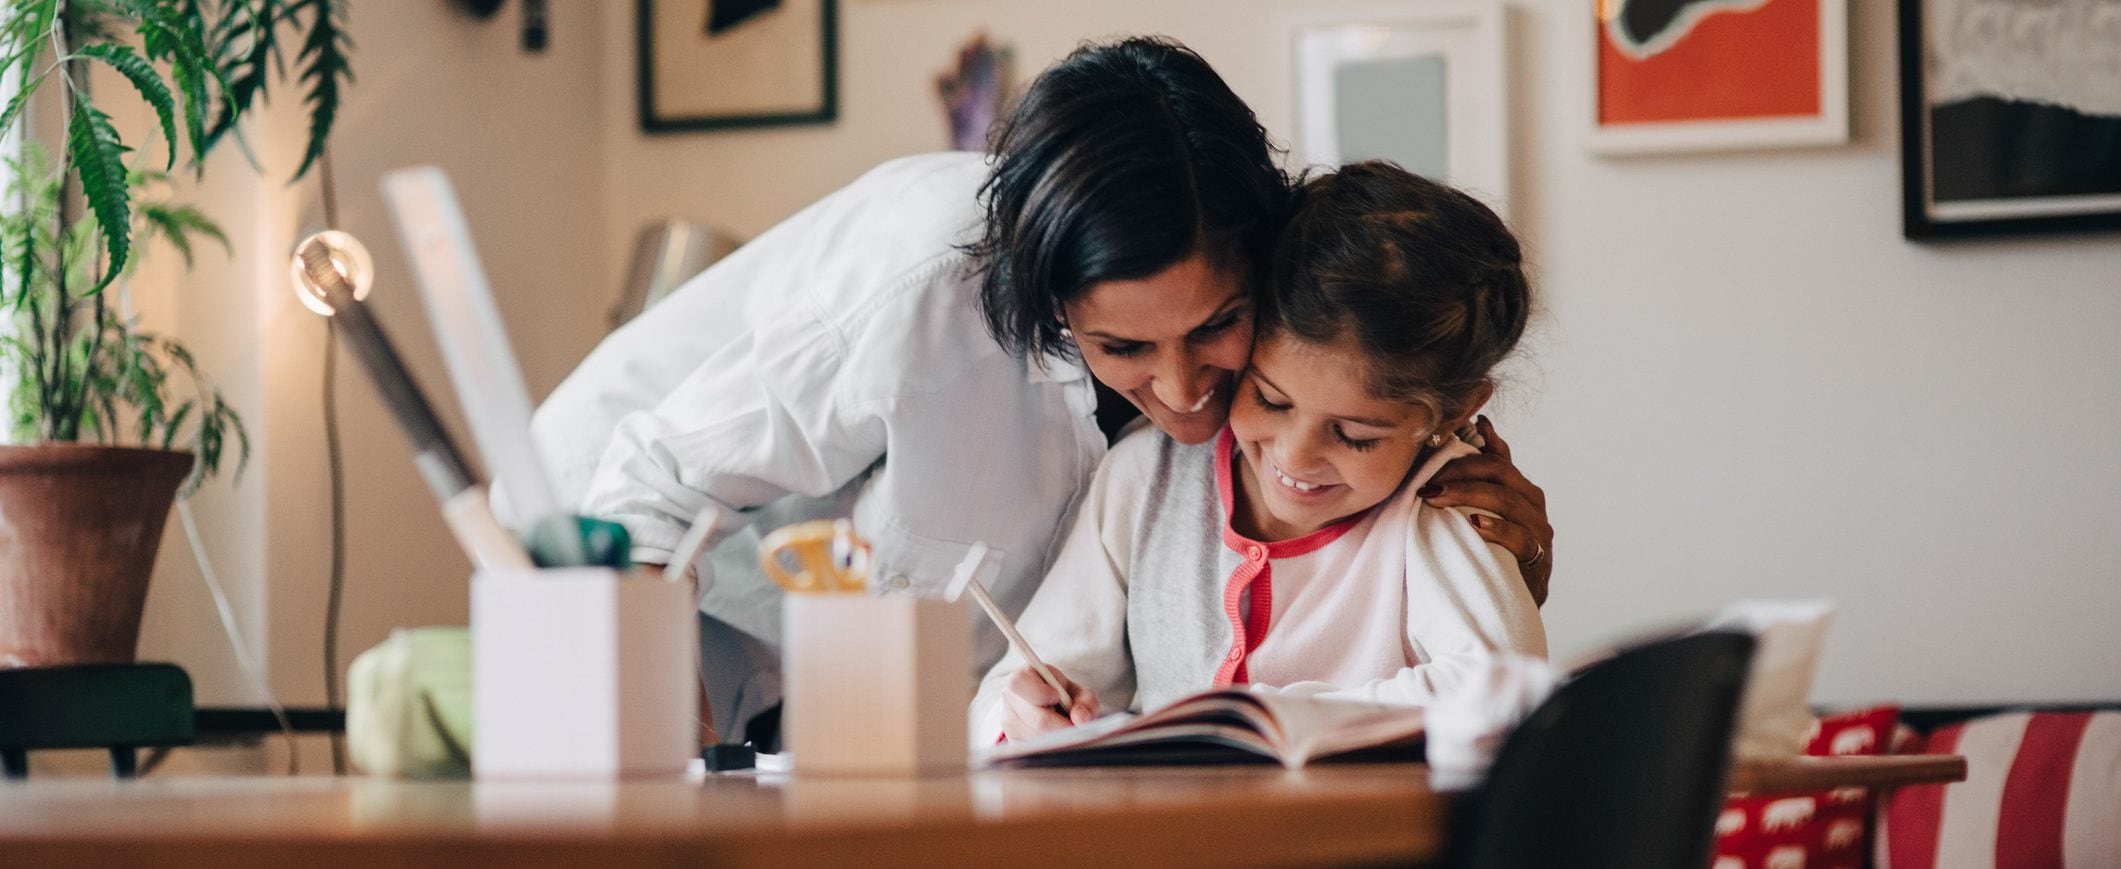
[(1172, 343), (1318, 447)]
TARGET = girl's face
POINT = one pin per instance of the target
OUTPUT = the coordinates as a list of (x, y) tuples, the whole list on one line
[(1317, 446), (1172, 343)]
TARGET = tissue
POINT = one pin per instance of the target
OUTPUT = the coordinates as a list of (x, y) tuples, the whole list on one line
[(1775, 714), (1468, 722)]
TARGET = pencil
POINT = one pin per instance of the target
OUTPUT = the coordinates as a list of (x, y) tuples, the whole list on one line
[(968, 576)]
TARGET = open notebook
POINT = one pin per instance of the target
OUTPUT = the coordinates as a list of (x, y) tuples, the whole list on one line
[(1229, 726)]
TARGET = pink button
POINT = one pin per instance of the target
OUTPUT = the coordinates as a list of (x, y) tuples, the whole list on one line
[(1236, 654)]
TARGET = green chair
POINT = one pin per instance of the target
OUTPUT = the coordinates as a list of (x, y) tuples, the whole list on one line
[(119, 707)]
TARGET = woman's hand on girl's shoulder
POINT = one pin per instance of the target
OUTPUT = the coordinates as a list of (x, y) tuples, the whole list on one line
[(1490, 481), (1028, 705)]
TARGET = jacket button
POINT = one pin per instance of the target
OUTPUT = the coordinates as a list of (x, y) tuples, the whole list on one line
[(1256, 553), (1236, 654)]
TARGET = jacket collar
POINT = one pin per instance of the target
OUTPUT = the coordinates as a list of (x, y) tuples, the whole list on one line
[(1054, 368)]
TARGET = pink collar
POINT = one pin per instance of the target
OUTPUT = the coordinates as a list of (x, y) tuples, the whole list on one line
[(1226, 487)]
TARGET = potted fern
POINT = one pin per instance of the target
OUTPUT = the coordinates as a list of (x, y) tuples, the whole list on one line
[(111, 422)]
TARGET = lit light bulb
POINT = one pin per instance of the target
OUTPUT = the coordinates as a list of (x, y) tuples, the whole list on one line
[(348, 257)]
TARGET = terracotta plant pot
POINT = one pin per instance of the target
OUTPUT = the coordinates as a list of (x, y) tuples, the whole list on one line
[(79, 526)]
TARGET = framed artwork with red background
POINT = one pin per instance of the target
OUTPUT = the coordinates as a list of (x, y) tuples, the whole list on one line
[(1709, 75)]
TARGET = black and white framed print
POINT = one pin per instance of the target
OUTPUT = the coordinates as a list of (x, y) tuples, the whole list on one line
[(2010, 116)]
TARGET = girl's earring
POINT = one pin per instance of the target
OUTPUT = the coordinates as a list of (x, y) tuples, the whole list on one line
[(1067, 333), (1436, 440)]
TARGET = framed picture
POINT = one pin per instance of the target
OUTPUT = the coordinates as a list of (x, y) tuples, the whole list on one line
[(723, 64), (1426, 91), (1711, 75), (2010, 117)]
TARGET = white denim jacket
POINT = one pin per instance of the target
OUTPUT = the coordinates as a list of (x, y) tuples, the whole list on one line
[(837, 365)]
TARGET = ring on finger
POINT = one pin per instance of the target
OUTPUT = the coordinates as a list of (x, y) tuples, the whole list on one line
[(1539, 554)]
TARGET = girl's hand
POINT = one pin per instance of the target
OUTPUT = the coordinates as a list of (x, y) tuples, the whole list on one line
[(1490, 482), (1028, 702)]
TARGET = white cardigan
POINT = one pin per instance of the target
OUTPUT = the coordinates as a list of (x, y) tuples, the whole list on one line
[(1154, 596)]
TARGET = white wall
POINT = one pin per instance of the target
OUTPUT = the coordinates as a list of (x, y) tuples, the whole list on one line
[(1750, 385), (1745, 382)]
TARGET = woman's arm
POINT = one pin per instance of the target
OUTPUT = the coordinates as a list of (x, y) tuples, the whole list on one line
[(777, 371), (1491, 482), (761, 418)]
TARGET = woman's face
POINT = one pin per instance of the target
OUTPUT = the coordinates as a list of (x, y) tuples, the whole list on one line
[(1172, 343)]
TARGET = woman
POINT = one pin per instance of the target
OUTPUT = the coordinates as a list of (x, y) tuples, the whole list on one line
[(922, 351)]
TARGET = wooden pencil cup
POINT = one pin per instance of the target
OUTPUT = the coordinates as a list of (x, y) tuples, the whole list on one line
[(582, 672), (875, 685)]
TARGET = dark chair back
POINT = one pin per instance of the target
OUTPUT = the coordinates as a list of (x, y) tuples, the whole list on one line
[(1624, 765)]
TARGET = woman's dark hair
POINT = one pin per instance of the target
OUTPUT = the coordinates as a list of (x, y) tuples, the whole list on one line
[(1426, 279), (1121, 161)]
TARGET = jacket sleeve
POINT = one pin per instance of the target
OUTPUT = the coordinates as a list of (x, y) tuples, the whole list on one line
[(768, 414), (1466, 604), (1077, 621)]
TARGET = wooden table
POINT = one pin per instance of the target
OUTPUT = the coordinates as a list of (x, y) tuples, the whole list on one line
[(1208, 816), (1807, 774), (1195, 817)]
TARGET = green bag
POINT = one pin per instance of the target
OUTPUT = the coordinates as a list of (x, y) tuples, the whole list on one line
[(408, 705)]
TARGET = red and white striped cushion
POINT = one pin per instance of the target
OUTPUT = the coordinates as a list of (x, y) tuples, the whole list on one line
[(2042, 789)]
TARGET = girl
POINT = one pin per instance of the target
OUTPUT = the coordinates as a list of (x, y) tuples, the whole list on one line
[(1294, 551)]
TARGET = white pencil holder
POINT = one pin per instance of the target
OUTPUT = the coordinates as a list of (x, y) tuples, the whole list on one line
[(582, 673), (875, 685)]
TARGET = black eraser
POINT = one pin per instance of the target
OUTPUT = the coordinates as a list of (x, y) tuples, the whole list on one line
[(728, 756)]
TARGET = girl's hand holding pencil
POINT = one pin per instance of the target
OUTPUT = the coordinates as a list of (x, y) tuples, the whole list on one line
[(1031, 707), (1060, 703)]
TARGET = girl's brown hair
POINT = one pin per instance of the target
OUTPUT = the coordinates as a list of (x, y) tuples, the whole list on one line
[(1427, 281)]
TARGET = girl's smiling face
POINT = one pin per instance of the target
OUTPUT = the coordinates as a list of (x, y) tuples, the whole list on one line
[(1318, 446)]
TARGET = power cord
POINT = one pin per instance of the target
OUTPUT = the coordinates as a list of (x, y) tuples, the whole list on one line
[(336, 462), (235, 636), (338, 544)]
